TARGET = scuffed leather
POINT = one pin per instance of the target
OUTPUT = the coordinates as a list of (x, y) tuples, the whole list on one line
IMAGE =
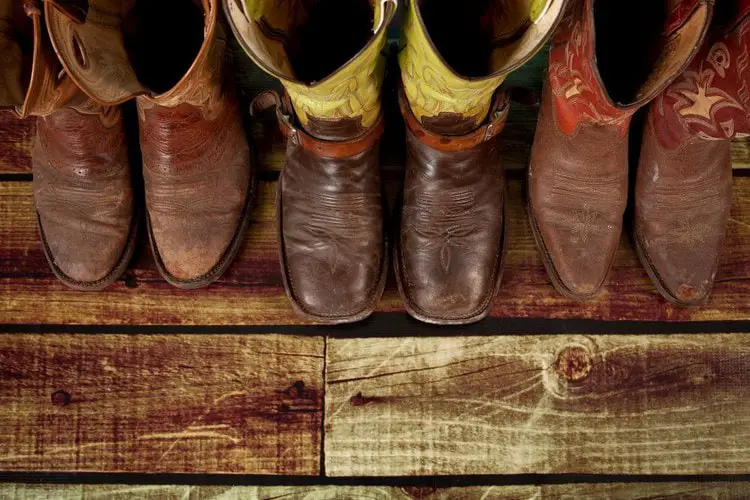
[(577, 195), (684, 185), (683, 203), (330, 216), (83, 194), (577, 179), (450, 241), (197, 182)]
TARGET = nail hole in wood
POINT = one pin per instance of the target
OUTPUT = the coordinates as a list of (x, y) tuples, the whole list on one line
[(60, 398)]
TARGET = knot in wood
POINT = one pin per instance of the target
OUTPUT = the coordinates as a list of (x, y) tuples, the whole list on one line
[(573, 364), (60, 398)]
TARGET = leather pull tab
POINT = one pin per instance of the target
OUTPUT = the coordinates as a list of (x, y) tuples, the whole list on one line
[(265, 101), (32, 8), (76, 10)]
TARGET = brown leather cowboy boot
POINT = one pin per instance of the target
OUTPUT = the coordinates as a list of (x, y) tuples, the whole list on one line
[(607, 60), (683, 193), (82, 188), (196, 161), (329, 204), (450, 246)]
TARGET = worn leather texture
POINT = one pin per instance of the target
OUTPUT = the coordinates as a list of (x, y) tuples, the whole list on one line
[(449, 249), (684, 185), (196, 160), (83, 196), (330, 214), (683, 198), (577, 192), (198, 188), (577, 179), (81, 182)]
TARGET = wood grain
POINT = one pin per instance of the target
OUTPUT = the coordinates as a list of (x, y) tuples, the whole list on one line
[(649, 404), (174, 403), (619, 491), (251, 292)]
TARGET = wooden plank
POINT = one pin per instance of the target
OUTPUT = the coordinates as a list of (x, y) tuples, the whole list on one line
[(173, 403), (251, 292), (648, 404), (16, 137), (620, 491)]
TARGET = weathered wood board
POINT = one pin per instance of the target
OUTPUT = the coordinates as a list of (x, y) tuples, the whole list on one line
[(648, 404), (618, 491), (252, 293), (247, 404)]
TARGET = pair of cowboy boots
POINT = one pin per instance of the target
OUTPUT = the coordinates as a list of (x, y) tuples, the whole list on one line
[(448, 248), (607, 60), (196, 166)]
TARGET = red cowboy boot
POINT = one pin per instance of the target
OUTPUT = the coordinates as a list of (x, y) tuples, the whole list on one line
[(599, 75), (684, 185)]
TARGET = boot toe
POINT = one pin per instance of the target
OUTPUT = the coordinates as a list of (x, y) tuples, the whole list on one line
[(88, 259), (579, 263), (448, 303), (191, 253), (332, 291)]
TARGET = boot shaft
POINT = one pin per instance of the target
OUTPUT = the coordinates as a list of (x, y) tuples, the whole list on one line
[(455, 57), (326, 54), (169, 52), (711, 99), (608, 59), (33, 82)]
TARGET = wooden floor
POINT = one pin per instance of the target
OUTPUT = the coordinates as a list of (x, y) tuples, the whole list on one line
[(147, 391)]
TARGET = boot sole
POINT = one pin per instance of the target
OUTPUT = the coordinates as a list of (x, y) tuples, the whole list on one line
[(483, 311), (656, 279), (298, 309), (227, 258), (94, 286)]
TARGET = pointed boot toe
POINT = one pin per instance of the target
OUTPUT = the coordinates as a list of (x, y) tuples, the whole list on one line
[(577, 256), (683, 203)]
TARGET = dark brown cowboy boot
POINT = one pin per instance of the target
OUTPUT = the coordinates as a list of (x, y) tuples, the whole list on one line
[(683, 193), (82, 188), (196, 161), (329, 204), (577, 181), (449, 250)]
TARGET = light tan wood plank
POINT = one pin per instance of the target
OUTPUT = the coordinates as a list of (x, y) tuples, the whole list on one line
[(171, 403), (619, 491), (619, 404)]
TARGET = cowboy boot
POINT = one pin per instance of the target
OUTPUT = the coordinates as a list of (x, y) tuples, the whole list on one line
[(599, 74), (683, 192), (82, 187), (329, 204), (449, 250), (196, 161)]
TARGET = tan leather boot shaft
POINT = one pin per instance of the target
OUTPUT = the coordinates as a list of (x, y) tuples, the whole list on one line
[(196, 161), (82, 189)]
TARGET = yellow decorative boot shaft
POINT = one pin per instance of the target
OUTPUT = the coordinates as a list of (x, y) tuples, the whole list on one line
[(326, 54), (457, 54)]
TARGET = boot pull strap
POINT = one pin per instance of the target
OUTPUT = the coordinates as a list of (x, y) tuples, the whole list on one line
[(327, 149), (497, 117)]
